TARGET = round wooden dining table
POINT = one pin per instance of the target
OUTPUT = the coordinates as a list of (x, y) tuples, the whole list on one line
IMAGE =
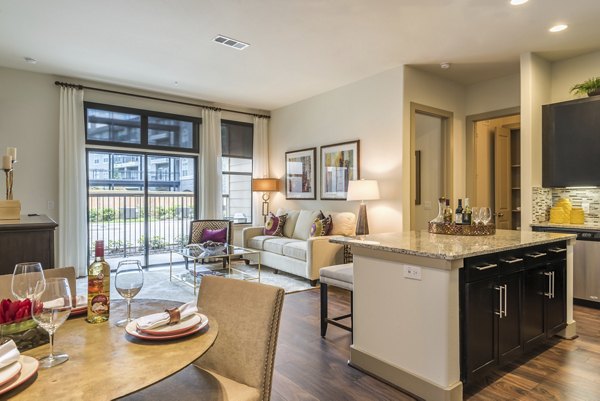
[(106, 363)]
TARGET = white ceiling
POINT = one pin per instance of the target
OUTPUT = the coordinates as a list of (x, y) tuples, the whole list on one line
[(299, 48)]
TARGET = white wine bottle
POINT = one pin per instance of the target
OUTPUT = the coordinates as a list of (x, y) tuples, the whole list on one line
[(98, 287)]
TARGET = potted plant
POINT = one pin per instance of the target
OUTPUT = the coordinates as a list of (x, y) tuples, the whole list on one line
[(590, 87)]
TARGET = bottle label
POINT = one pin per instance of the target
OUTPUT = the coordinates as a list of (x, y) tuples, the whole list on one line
[(100, 305), (459, 218)]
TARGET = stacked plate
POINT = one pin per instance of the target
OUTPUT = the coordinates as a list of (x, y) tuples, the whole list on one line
[(186, 327), (17, 373), (80, 306)]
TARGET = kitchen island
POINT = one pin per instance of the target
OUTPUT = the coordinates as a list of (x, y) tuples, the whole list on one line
[(434, 311)]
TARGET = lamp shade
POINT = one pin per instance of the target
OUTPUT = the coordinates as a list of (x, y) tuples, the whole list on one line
[(265, 184), (362, 190)]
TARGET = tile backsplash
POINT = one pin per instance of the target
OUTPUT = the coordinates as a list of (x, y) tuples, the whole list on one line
[(544, 198)]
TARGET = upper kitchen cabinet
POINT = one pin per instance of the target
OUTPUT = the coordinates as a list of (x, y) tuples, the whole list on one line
[(571, 143)]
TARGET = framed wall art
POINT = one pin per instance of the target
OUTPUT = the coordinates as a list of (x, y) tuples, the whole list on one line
[(339, 165), (301, 174)]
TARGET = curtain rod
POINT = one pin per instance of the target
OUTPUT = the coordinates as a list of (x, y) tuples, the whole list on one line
[(77, 86)]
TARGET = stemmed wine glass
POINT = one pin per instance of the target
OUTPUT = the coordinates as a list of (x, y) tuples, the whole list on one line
[(476, 215), (50, 307), (25, 278), (486, 215), (129, 280)]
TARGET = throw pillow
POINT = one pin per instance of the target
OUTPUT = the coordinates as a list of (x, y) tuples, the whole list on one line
[(274, 225), (219, 235), (321, 226)]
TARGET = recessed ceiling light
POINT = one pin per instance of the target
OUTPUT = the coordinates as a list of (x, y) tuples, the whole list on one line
[(558, 28), (176, 83), (30, 60), (518, 2), (445, 65), (229, 42)]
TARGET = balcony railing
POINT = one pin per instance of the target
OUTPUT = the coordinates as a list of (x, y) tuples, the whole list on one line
[(120, 220)]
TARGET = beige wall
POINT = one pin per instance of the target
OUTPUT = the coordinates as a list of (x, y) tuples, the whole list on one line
[(569, 72), (494, 94), (369, 110)]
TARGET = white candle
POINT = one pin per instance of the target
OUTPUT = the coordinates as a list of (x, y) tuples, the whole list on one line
[(6, 162), (12, 152)]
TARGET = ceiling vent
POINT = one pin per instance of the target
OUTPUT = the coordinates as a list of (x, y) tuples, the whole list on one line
[(236, 44)]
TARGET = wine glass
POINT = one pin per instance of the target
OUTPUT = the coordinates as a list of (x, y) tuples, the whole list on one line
[(486, 215), (129, 280), (25, 277), (475, 215), (50, 307)]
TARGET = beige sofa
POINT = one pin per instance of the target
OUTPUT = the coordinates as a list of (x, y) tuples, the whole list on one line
[(296, 252)]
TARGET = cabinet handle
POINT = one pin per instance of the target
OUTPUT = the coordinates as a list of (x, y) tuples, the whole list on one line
[(549, 293), (553, 273), (505, 303), (500, 290), (535, 255), (485, 267), (557, 250), (511, 261)]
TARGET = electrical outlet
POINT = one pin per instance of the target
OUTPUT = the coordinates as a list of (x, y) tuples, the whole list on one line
[(586, 207), (412, 272), (50, 205)]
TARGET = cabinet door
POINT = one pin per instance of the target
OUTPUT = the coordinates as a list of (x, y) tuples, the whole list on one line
[(480, 307), (534, 286), (509, 324), (556, 308)]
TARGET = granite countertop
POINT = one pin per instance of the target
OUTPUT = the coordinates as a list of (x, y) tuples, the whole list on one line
[(567, 226), (451, 247)]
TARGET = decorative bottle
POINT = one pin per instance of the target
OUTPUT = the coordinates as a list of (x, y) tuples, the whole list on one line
[(440, 217), (458, 215), (467, 213), (448, 212), (98, 287)]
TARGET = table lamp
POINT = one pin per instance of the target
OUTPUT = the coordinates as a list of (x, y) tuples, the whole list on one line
[(362, 190), (265, 185)]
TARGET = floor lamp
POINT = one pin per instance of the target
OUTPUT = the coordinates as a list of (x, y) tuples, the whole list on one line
[(362, 190), (265, 185)]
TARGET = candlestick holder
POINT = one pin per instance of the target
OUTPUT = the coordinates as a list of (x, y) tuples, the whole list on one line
[(10, 209), (9, 183)]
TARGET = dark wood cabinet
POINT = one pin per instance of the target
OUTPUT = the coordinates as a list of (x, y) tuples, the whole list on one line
[(510, 303), (30, 239)]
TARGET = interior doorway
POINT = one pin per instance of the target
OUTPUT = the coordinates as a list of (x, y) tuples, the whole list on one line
[(494, 167), (431, 162)]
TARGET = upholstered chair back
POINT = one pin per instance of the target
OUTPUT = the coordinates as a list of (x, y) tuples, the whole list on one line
[(197, 226), (248, 314), (67, 272)]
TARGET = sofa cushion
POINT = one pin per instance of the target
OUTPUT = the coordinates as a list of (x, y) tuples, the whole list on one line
[(296, 250), (258, 241), (321, 226), (290, 223), (304, 223), (343, 223), (275, 224), (276, 244)]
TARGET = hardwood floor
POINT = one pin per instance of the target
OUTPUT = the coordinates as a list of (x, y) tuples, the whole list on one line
[(308, 367)]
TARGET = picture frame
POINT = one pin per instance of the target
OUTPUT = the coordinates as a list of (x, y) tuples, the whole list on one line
[(301, 174), (340, 163)]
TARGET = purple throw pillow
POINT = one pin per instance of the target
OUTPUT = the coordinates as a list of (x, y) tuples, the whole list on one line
[(219, 235), (274, 225)]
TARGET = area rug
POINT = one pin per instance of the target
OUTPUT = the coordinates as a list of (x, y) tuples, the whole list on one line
[(158, 286)]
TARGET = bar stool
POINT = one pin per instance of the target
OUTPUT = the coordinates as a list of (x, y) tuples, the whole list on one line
[(340, 276)]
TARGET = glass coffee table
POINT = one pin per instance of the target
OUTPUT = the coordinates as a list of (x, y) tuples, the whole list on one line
[(198, 255)]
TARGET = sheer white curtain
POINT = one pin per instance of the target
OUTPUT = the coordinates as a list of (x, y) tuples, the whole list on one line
[(260, 164), (211, 197), (72, 225)]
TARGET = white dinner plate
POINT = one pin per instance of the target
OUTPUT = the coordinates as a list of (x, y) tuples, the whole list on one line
[(183, 325), (131, 329), (9, 372), (29, 366)]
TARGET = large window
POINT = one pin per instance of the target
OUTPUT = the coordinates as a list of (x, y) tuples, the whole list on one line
[(236, 142)]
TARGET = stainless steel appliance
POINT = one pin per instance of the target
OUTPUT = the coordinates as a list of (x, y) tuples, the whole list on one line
[(586, 263)]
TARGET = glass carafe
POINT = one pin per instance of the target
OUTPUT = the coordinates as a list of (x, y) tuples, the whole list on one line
[(440, 217)]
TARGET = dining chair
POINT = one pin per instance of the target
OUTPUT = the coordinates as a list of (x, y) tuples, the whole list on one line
[(239, 365), (66, 272), (197, 228)]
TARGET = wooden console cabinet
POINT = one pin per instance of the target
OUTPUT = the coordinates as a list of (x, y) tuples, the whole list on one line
[(30, 239)]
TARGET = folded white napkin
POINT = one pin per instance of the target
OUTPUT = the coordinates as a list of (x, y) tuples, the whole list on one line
[(9, 354), (160, 319)]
